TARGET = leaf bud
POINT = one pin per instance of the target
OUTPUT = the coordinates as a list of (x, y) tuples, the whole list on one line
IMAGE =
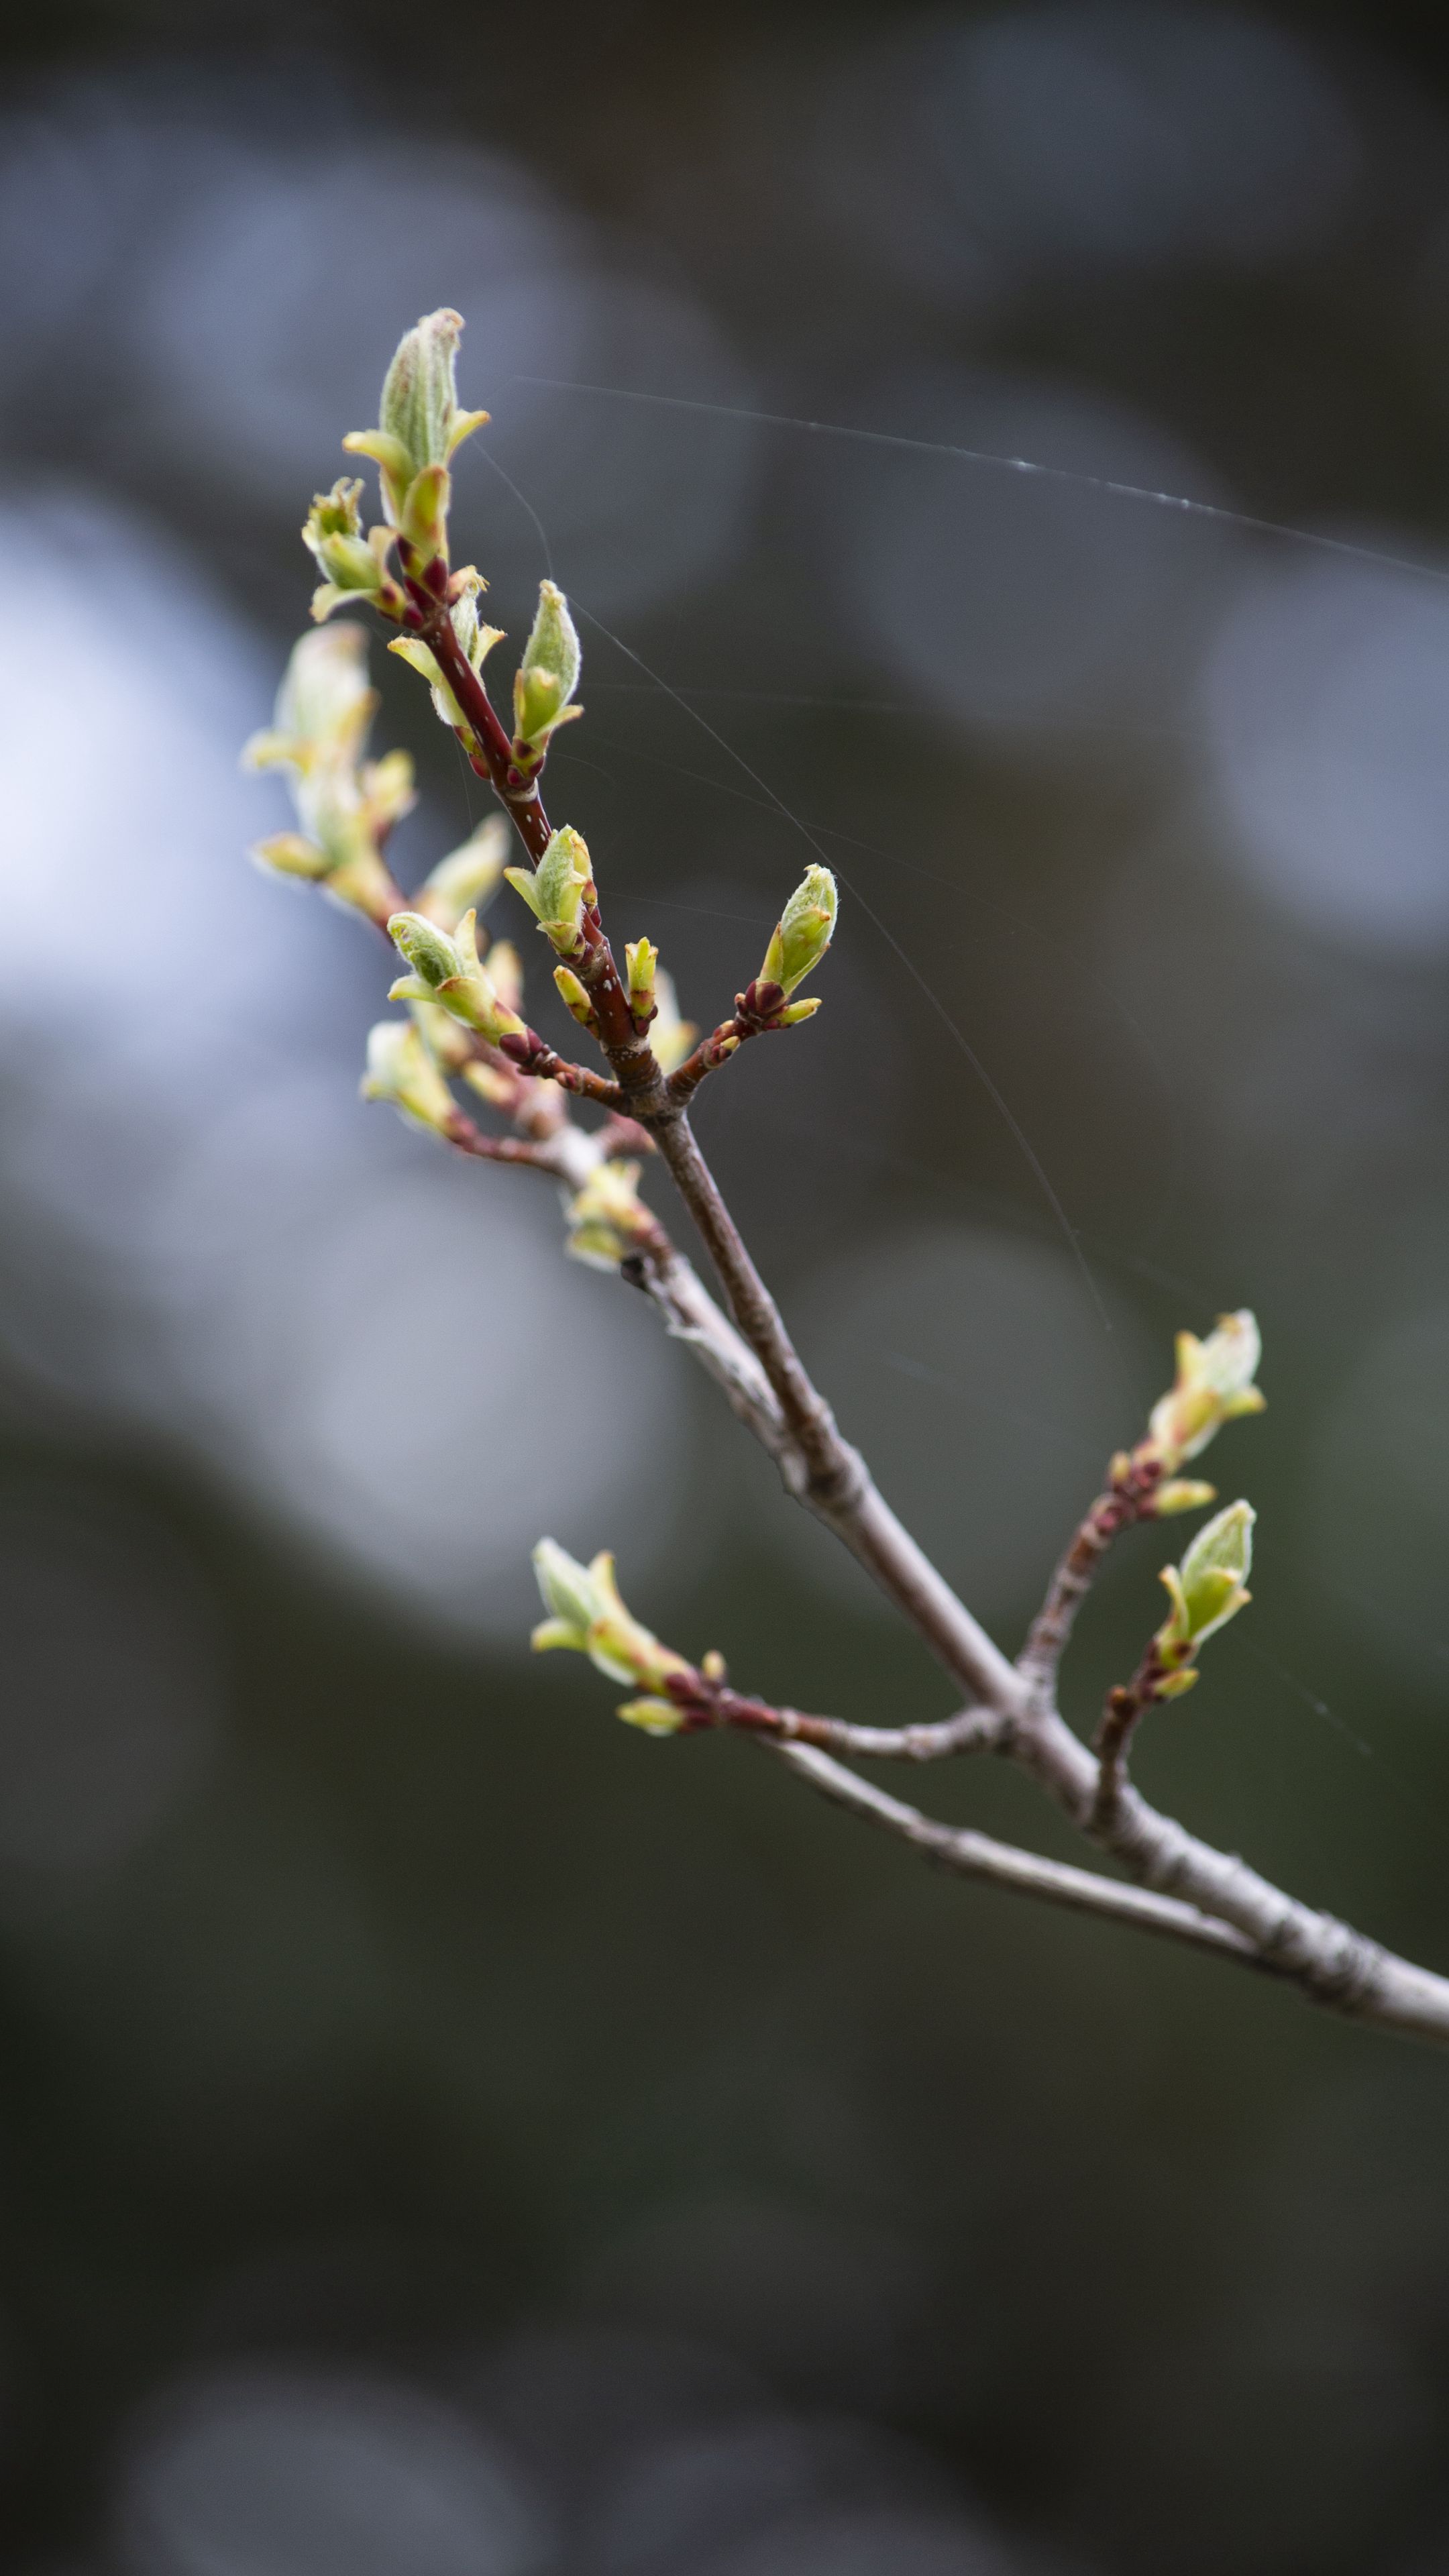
[(546, 678), (446, 970), (557, 891), (1214, 1385), (1179, 1494), (652, 1716), (401, 1072), (1209, 1587), (641, 957), (575, 1000), (333, 534), (803, 931), (419, 426), (588, 1616)]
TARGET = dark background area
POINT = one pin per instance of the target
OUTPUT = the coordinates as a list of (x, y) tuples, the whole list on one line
[(439, 2129)]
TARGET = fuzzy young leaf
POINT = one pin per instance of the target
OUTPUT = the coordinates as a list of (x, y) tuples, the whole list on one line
[(419, 405)]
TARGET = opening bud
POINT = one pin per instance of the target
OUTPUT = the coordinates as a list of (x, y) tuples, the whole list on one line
[(588, 1616), (419, 426), (1214, 1385), (447, 971), (546, 678), (557, 891), (803, 931), (1209, 1587)]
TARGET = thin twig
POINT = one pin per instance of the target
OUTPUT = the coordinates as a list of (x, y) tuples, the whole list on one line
[(709, 1701)]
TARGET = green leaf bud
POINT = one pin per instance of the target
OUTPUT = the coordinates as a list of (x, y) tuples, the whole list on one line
[(652, 1716), (423, 519), (1209, 1587), (557, 891), (803, 931), (641, 957), (1214, 1385), (1179, 1494), (428, 950), (547, 676), (447, 970), (333, 535), (588, 1616), (574, 998), (570, 1592), (419, 426), (419, 405)]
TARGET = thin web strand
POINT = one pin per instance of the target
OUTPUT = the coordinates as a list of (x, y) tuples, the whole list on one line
[(1181, 502)]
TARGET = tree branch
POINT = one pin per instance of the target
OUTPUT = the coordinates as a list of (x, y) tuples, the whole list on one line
[(1332, 1965), (1184, 1888), (977, 1855)]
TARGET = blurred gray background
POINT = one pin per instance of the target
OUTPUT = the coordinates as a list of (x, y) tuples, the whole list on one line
[(440, 2130)]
